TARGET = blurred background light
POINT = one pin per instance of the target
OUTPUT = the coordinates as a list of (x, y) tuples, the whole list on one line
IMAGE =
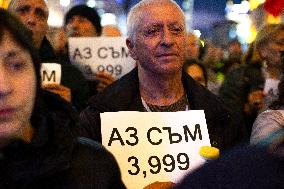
[(55, 18), (108, 19), (197, 33), (65, 3), (91, 3)]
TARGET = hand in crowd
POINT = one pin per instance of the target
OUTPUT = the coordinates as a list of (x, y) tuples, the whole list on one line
[(104, 79), (160, 185), (255, 102), (64, 92)]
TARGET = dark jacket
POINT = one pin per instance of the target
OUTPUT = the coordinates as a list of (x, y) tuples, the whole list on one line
[(55, 158), (123, 95), (236, 88), (246, 168), (71, 77)]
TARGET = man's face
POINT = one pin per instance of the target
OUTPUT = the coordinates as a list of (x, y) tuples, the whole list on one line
[(79, 26), (34, 14), (192, 47), (235, 50), (159, 44), (272, 51)]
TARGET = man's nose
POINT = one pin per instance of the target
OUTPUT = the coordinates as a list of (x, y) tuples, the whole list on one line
[(167, 38), (31, 19)]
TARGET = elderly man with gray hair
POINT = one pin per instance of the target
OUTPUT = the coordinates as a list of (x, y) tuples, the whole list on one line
[(34, 15), (157, 41)]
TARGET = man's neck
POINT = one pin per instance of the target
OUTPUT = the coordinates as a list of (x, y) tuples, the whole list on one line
[(160, 90)]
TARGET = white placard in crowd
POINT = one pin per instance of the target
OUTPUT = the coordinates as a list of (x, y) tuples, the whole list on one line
[(94, 54), (155, 146), (50, 73)]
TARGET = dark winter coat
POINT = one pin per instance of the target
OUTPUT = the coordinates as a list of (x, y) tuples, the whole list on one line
[(71, 77), (246, 167), (55, 158), (123, 95), (236, 88)]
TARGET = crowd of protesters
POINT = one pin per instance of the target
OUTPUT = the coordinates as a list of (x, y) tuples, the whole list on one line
[(50, 135)]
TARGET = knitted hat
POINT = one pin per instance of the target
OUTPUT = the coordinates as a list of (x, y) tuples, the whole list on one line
[(86, 12)]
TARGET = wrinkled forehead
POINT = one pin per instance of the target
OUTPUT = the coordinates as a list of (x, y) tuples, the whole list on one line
[(158, 13), (32, 3)]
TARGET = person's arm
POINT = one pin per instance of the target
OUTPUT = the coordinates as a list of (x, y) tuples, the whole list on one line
[(266, 123)]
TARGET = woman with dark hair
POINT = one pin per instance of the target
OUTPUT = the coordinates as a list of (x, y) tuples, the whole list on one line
[(37, 128)]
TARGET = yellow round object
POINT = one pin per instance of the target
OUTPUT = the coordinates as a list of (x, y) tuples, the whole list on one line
[(209, 152)]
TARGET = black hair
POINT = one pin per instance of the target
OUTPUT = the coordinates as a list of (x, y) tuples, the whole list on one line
[(86, 12)]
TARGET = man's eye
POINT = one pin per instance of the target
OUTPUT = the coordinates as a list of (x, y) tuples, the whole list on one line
[(152, 31), (176, 29), (23, 10)]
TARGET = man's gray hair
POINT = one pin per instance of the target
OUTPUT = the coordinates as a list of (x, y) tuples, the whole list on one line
[(12, 3), (134, 15)]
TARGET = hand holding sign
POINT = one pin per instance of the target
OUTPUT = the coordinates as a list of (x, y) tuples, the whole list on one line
[(104, 80), (62, 91), (160, 185)]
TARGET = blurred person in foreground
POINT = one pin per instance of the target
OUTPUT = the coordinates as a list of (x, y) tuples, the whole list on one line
[(157, 41), (246, 167), (34, 15), (83, 21), (37, 144)]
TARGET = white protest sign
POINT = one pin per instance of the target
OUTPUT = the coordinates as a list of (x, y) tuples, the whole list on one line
[(155, 146), (50, 73), (97, 54)]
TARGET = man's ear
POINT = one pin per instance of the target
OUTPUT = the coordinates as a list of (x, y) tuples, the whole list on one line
[(131, 47)]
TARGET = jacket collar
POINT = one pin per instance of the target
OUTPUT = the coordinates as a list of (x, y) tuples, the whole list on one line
[(124, 95)]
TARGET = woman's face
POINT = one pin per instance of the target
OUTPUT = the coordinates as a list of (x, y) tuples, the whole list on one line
[(17, 88)]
